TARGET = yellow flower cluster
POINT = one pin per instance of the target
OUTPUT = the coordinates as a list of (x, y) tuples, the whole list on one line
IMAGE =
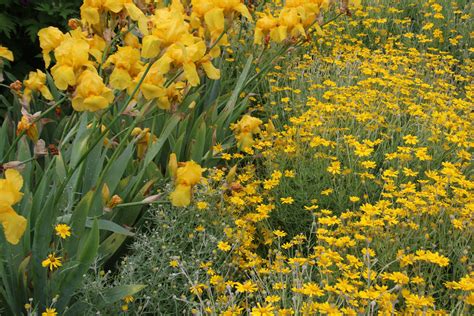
[(378, 202), (175, 40), (291, 21)]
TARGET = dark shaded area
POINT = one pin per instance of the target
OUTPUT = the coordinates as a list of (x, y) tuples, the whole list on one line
[(20, 22)]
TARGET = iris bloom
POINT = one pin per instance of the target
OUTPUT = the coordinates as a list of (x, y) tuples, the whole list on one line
[(92, 9), (245, 129), (91, 94), (49, 38), (186, 55), (14, 225), (144, 137), (36, 82), (166, 27), (127, 65), (72, 55), (26, 124), (187, 175)]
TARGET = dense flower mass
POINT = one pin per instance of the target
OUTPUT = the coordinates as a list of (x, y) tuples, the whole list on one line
[(377, 162), (268, 158)]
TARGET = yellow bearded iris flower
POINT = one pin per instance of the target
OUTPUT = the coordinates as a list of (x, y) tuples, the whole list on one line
[(49, 38), (14, 225), (144, 137), (92, 9), (36, 82), (26, 124), (263, 27), (127, 65), (72, 55), (166, 27), (187, 175), (186, 55), (91, 94), (245, 129)]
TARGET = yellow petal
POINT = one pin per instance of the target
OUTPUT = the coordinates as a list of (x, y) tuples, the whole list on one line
[(14, 179), (258, 36), (78, 104), (215, 21), (10, 187), (163, 64), (90, 14), (47, 59), (13, 224), (63, 76), (151, 91), (50, 38), (6, 53), (245, 140), (211, 71), (134, 12), (120, 79), (114, 5), (173, 165), (242, 8), (181, 196), (189, 174), (191, 74), (150, 46), (96, 103), (46, 93)]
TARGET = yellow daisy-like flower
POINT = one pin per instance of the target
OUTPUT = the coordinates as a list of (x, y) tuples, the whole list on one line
[(52, 262), (63, 230), (224, 246), (49, 312)]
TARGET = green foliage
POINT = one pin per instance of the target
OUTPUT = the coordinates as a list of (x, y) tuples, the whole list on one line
[(169, 235), (20, 22)]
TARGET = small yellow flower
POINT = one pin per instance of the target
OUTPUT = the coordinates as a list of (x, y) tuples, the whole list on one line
[(128, 299), (334, 168), (260, 310), (354, 199), (201, 205), (49, 312), (287, 200), (224, 246), (279, 233), (63, 230), (246, 287), (327, 191), (52, 262)]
